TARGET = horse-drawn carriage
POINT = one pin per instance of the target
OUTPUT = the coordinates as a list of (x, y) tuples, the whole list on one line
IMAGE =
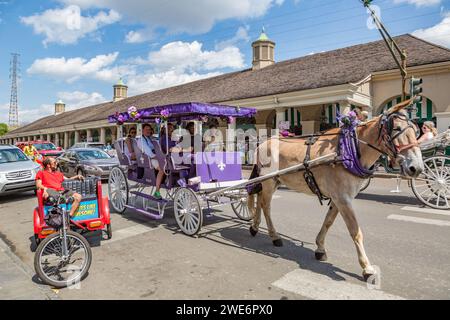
[(432, 187), (207, 171)]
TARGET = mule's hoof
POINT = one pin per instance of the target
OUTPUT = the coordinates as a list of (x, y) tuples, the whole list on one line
[(370, 276), (253, 232), (277, 243), (321, 256)]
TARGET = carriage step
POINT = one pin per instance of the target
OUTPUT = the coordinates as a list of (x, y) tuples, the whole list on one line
[(147, 196), (152, 213)]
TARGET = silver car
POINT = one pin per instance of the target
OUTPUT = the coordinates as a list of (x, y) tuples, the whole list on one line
[(87, 162), (17, 171)]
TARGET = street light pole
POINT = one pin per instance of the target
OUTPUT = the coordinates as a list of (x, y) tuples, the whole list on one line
[(392, 46)]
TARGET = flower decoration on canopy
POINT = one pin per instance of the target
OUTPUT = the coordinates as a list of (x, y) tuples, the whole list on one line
[(120, 119), (231, 120), (165, 114), (133, 113)]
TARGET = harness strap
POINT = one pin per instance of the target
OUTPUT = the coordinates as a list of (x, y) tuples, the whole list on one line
[(308, 175)]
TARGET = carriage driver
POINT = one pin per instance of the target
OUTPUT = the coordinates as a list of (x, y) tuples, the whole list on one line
[(50, 181)]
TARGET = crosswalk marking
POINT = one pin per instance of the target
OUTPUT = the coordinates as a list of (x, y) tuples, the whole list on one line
[(442, 223), (130, 232), (426, 210), (321, 287)]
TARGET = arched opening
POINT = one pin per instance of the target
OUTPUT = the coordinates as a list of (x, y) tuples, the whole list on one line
[(95, 135), (108, 136), (423, 110)]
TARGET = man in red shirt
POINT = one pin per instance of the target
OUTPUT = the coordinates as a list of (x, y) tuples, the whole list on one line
[(50, 180)]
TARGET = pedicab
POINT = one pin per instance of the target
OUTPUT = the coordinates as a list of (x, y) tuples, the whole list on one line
[(63, 255), (189, 197), (93, 213)]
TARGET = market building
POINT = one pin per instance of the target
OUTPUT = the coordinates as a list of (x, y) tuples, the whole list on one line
[(304, 93)]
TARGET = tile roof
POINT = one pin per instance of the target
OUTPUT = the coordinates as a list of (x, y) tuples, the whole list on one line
[(335, 67)]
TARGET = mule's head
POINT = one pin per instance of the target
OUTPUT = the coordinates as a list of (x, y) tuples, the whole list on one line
[(399, 135)]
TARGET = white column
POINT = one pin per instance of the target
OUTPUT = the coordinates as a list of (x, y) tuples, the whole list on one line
[(66, 140), (77, 136), (279, 117), (113, 134), (103, 135), (57, 139), (88, 135), (345, 107)]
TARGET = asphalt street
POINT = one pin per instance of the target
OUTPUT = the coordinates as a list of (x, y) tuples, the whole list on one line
[(153, 260)]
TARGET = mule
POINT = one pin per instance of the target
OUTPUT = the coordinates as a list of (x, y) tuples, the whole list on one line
[(392, 134)]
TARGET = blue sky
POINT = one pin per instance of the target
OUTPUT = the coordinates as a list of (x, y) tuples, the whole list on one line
[(75, 50)]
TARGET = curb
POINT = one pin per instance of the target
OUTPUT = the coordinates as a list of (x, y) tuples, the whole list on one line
[(46, 291)]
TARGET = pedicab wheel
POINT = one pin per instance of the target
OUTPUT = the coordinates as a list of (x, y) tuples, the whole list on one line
[(432, 188), (365, 185), (109, 231), (241, 210), (60, 272), (188, 212), (118, 190)]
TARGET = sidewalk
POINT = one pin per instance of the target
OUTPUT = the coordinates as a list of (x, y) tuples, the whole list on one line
[(16, 279)]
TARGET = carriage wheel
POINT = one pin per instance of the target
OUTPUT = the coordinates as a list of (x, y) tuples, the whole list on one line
[(433, 186), (241, 208), (118, 190), (188, 212)]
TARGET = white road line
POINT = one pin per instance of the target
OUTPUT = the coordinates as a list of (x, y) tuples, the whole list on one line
[(321, 287), (436, 222), (130, 232), (427, 210)]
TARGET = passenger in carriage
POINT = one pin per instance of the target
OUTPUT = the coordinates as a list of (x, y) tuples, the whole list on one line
[(149, 149), (429, 132), (195, 139), (168, 145), (129, 150)]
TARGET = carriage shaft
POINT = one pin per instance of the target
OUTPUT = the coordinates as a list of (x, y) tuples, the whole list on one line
[(327, 159)]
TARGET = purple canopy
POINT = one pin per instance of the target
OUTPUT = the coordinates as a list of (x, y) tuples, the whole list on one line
[(181, 111)]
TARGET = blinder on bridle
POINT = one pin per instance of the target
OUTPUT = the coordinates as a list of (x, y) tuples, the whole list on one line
[(388, 132)]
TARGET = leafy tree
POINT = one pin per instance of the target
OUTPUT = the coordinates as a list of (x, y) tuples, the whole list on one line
[(3, 128)]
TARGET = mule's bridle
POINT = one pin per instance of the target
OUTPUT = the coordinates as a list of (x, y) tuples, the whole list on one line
[(385, 133)]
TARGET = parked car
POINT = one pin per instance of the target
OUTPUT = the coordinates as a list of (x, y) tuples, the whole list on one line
[(87, 162), (108, 149), (17, 171), (47, 148)]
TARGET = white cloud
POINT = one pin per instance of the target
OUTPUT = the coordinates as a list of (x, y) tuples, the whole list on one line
[(184, 56), (27, 115), (194, 16), (139, 36), (173, 64), (67, 25), (420, 3), (439, 34), (4, 116), (78, 99), (241, 35), (151, 81), (72, 69)]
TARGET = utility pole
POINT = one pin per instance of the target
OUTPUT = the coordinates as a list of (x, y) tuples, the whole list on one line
[(392, 46), (13, 103)]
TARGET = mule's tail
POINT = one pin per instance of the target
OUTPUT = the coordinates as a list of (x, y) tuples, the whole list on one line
[(253, 190)]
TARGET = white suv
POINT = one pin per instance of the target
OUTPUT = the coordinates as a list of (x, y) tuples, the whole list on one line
[(17, 171)]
